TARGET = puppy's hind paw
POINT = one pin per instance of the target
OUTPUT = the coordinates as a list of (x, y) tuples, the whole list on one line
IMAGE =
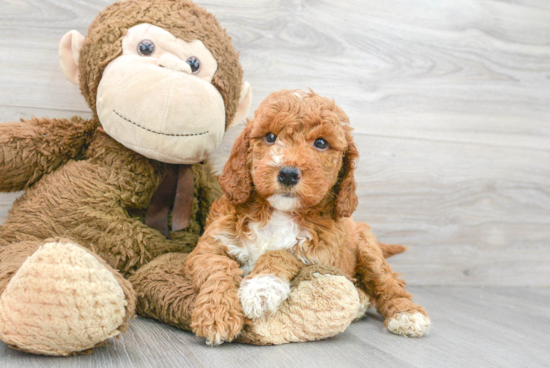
[(409, 324), (262, 294)]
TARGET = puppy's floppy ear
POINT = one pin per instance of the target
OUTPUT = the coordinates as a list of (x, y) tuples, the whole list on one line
[(346, 199), (236, 180)]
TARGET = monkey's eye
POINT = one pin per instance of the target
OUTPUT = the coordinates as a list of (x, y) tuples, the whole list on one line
[(146, 48), (270, 138), (194, 63), (320, 144)]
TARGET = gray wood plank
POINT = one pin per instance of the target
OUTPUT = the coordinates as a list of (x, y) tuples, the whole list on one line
[(473, 327), (6, 200), (470, 216), (397, 69), (449, 101), (15, 113)]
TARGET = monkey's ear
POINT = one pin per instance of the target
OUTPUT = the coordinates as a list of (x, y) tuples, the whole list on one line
[(69, 52), (244, 104)]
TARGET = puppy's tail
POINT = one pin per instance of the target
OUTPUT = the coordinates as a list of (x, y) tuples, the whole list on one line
[(391, 249)]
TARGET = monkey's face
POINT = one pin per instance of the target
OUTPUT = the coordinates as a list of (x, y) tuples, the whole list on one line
[(157, 98)]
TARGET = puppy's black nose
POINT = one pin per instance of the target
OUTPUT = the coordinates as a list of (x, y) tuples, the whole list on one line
[(288, 176)]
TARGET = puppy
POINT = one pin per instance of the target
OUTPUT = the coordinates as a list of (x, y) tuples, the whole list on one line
[(289, 195)]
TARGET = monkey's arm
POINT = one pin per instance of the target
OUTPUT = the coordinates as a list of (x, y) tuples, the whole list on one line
[(37, 146)]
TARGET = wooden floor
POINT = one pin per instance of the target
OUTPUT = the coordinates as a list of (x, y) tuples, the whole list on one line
[(450, 100), (473, 327)]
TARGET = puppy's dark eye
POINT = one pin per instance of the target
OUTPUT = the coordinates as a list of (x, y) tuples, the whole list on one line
[(320, 144), (270, 138), (146, 48), (194, 63)]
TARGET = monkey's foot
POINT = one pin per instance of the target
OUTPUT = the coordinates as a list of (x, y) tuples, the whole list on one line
[(62, 301), (322, 303), (364, 305)]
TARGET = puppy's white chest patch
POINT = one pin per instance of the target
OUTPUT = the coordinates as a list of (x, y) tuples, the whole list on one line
[(280, 233)]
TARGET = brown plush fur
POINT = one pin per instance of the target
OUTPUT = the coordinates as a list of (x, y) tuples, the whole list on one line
[(99, 200), (29, 151), (326, 197), (84, 186), (163, 279)]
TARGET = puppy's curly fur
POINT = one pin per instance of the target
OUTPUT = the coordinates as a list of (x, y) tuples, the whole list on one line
[(270, 230)]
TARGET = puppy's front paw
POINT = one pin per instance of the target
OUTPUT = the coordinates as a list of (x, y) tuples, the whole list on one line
[(262, 294), (217, 330), (409, 324), (217, 315), (217, 325)]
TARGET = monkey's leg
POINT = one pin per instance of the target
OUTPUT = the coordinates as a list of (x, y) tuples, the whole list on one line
[(321, 304), (364, 303), (12, 257), (402, 316), (35, 147), (59, 298), (163, 291)]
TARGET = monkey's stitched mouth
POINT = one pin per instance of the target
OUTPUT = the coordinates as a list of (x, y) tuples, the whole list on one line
[(153, 131)]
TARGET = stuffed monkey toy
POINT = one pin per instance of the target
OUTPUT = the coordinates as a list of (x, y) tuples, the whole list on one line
[(113, 204)]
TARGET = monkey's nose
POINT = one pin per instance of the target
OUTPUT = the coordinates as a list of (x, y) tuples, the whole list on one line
[(174, 63), (288, 176)]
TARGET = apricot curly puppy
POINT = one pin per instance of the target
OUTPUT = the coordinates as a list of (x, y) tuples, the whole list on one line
[(289, 193)]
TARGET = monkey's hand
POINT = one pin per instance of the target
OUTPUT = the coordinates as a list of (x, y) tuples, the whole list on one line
[(218, 314), (35, 147)]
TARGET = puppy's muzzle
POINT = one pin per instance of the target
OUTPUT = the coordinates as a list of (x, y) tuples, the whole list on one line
[(288, 176)]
